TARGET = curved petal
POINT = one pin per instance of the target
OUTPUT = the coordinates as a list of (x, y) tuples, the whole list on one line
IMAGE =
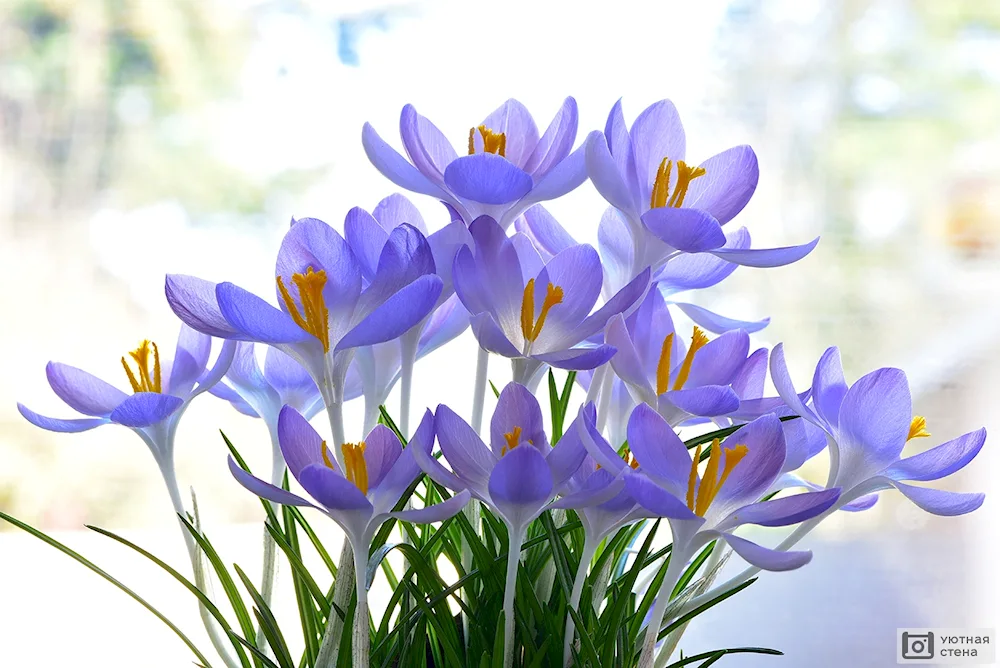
[(784, 511), (657, 133), (300, 445), (705, 401), (939, 501), (749, 380), (286, 375), (719, 360), (395, 210), (765, 559), (395, 315), (394, 167), (514, 120), (600, 487), (594, 442), (82, 391), (366, 237), (719, 324), (190, 360), (605, 175), (660, 452), (520, 485), (544, 230), (874, 424), (311, 243), (71, 426), (566, 457), (786, 389), (940, 461), (728, 183), (255, 320), (447, 322), (577, 270), (829, 387), (144, 409), (193, 301), (426, 145), (517, 408), (565, 176), (626, 362), (577, 359), (263, 489), (437, 512), (621, 302), (694, 271), (438, 473), (690, 230), (619, 143), (491, 337), (765, 257), (803, 441), (331, 489), (657, 500), (614, 240), (469, 457), (406, 467), (226, 393), (759, 468), (487, 178), (557, 141), (382, 450)]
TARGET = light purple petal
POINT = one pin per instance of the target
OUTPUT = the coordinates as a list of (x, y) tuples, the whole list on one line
[(226, 393), (311, 243), (577, 359), (748, 383), (544, 230), (706, 401), (874, 423), (719, 360), (564, 177), (557, 141), (447, 322), (286, 375), (605, 175), (719, 324), (82, 391), (514, 120), (765, 257), (829, 387), (622, 301), (144, 409), (786, 389), (487, 178), (616, 133), (300, 445), (689, 230), (765, 559), (194, 302), (577, 270), (190, 360), (520, 484), (435, 513), (594, 442), (256, 320), (657, 133), (382, 449), (939, 501), (626, 362), (444, 245), (469, 457), (395, 315), (660, 452), (425, 144), (331, 489), (940, 461), (491, 337), (394, 167), (396, 210), (784, 511), (758, 470), (657, 500), (600, 487), (406, 468), (366, 237), (517, 407), (803, 441), (263, 489), (565, 458), (530, 258), (71, 426), (694, 271), (727, 185), (614, 240)]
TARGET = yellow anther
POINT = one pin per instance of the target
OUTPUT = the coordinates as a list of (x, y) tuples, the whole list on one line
[(513, 437), (661, 184), (630, 459), (354, 464), (326, 457), (663, 366), (699, 500), (145, 382), (493, 142), (530, 327), (698, 341), (314, 317), (918, 428)]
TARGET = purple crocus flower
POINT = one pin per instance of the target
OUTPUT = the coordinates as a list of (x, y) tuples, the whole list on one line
[(642, 172), (324, 312), (508, 168), (516, 476), (868, 425), (361, 495), (707, 506), (161, 392), (536, 317)]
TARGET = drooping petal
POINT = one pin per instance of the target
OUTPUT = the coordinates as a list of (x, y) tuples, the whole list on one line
[(331, 489), (728, 183), (437, 512), (657, 133), (300, 445), (873, 425), (395, 315), (193, 300), (255, 320), (520, 485), (211, 376), (226, 393), (939, 501), (765, 559), (660, 452), (940, 461), (829, 387), (557, 141), (594, 442), (657, 500), (144, 409), (487, 178), (784, 511), (694, 271), (263, 489), (517, 408), (577, 359), (82, 391), (491, 337), (719, 324), (394, 167), (689, 230), (705, 401), (765, 257), (70, 426), (469, 457)]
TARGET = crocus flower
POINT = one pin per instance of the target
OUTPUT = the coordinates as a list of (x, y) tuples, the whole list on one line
[(707, 506), (508, 168), (361, 495), (324, 312), (542, 319), (868, 425), (642, 172), (161, 392), (516, 476)]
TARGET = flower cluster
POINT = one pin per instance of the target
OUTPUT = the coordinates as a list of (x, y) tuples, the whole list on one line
[(352, 313)]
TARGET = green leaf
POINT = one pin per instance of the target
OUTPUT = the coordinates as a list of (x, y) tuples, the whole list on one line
[(386, 419), (267, 623), (715, 655), (262, 658), (82, 560), (496, 392), (683, 619)]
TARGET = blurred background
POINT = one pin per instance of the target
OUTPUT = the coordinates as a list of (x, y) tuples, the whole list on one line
[(139, 137)]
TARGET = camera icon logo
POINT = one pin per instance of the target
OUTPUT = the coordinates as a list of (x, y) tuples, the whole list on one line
[(918, 645)]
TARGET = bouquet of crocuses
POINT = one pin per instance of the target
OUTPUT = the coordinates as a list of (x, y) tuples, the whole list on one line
[(553, 528)]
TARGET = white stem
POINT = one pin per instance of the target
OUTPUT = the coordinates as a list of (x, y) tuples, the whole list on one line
[(513, 561), (678, 560), (471, 512), (604, 402), (270, 567), (674, 638), (408, 352), (329, 649), (589, 548), (361, 640), (194, 553), (595, 384), (335, 412), (479, 390), (371, 414)]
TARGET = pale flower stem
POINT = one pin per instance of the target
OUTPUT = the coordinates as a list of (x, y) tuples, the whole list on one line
[(471, 512), (513, 561), (479, 390), (678, 560), (408, 352), (361, 640), (604, 402), (335, 413), (589, 548), (194, 553), (329, 649), (595, 384), (371, 415), (674, 638), (270, 566)]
